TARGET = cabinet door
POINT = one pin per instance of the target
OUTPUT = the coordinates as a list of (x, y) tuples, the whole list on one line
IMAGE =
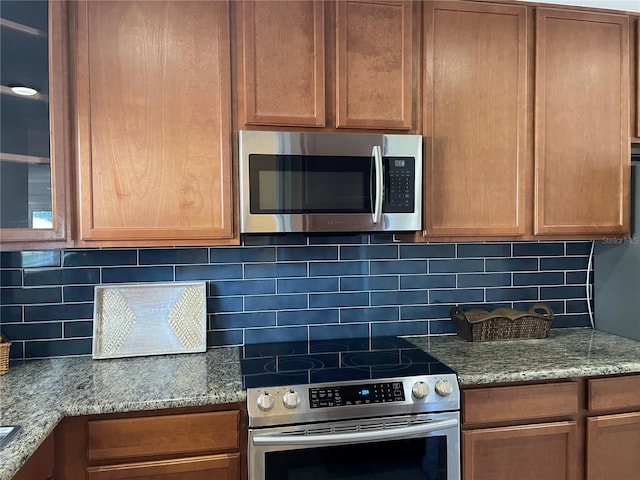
[(375, 64), (581, 123), (527, 452), (153, 121), (34, 129), (213, 467), (613, 446), (283, 62), (475, 173)]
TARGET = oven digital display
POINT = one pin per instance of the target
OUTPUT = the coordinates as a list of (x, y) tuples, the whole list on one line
[(343, 395)]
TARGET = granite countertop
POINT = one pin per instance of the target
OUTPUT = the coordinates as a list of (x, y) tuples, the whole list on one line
[(37, 394), (565, 353)]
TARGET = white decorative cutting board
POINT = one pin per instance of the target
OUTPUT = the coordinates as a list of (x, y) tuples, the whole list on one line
[(149, 319)]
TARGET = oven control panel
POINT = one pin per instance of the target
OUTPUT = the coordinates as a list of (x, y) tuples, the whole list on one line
[(290, 404), (342, 395)]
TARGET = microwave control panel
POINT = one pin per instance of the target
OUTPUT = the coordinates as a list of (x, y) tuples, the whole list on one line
[(399, 182)]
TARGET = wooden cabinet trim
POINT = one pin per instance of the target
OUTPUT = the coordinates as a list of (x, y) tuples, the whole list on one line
[(347, 115), (162, 435), (618, 223), (252, 112), (614, 393), (519, 403)]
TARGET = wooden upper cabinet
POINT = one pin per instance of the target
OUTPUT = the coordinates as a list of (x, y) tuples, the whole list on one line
[(581, 123), (283, 62), (35, 135), (153, 122), (348, 64), (375, 64), (475, 119)]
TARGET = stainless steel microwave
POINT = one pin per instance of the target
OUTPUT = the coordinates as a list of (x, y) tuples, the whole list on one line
[(329, 182)]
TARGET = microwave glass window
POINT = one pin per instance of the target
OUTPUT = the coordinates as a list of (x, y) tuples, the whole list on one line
[(310, 184)]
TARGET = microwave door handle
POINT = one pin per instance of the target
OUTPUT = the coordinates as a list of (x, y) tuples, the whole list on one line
[(377, 157), (360, 436)]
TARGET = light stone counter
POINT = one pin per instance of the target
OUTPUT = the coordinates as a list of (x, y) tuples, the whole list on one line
[(565, 353), (37, 394)]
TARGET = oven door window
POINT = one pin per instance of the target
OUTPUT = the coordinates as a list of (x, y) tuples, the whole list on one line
[(304, 184), (413, 459)]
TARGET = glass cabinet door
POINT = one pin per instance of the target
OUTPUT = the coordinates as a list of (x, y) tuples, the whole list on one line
[(33, 92)]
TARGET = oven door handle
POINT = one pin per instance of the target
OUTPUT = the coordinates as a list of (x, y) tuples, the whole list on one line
[(360, 436)]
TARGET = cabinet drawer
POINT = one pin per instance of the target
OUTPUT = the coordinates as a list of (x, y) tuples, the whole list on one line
[(213, 467), (526, 402), (614, 393), (163, 435)]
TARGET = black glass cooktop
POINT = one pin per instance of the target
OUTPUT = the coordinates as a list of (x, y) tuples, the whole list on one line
[(334, 361)]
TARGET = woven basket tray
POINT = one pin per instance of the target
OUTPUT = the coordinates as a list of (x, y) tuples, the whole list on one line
[(478, 325), (4, 357)]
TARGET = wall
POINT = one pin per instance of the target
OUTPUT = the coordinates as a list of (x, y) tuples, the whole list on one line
[(279, 288)]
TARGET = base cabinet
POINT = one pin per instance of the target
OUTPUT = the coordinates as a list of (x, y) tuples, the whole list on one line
[(587, 428), (526, 432), (188, 444), (40, 464), (525, 452), (613, 433), (613, 447)]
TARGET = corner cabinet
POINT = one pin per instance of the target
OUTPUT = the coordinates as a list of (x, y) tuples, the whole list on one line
[(153, 123), (582, 145), (351, 64), (189, 444), (39, 466)]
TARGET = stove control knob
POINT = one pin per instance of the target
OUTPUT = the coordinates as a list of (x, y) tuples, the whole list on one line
[(266, 401), (420, 390), (443, 388), (291, 399)]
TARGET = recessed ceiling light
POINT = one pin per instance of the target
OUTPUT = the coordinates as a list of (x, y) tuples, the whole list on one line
[(23, 90)]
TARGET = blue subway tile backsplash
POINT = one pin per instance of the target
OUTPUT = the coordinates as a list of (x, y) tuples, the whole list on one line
[(293, 287)]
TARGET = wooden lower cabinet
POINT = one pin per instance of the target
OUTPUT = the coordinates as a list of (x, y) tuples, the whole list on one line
[(524, 432), (613, 447), (213, 467), (613, 428), (585, 428), (196, 443), (524, 452), (40, 464)]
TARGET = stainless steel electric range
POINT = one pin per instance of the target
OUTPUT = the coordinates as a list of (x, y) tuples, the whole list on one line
[(374, 408)]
